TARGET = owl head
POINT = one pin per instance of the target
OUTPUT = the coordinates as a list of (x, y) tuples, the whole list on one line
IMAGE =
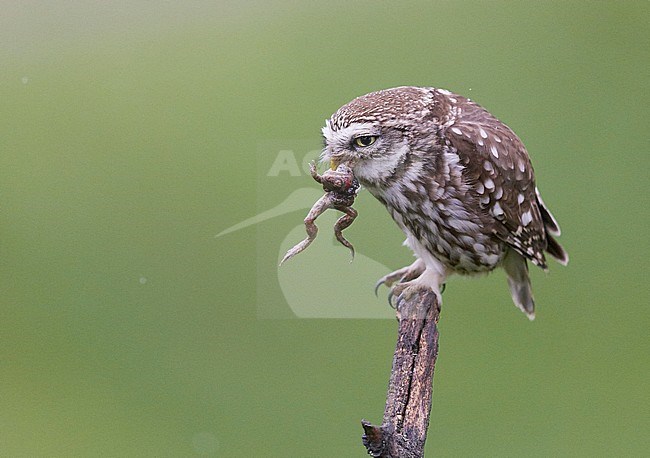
[(377, 133)]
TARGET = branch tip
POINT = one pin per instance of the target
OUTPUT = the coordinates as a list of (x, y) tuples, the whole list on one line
[(373, 439)]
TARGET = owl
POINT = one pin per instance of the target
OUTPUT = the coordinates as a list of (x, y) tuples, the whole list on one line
[(456, 180)]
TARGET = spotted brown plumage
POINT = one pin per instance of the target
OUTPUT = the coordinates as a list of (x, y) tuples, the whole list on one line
[(455, 179)]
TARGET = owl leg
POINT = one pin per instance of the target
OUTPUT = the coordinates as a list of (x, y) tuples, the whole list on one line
[(401, 275), (430, 280)]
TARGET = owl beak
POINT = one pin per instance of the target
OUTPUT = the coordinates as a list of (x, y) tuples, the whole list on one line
[(334, 164)]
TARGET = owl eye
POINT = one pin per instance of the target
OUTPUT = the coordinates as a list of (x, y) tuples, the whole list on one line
[(365, 140)]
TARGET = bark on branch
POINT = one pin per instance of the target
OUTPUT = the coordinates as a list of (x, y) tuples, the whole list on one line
[(408, 403)]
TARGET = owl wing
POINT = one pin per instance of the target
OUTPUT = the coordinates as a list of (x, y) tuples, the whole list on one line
[(499, 175)]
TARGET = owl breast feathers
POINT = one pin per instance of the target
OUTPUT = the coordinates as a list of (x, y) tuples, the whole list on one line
[(455, 179)]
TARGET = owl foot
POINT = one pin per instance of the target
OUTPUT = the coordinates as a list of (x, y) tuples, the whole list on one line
[(402, 275), (404, 291), (407, 297)]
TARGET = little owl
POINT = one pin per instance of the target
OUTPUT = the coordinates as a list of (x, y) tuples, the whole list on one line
[(455, 179)]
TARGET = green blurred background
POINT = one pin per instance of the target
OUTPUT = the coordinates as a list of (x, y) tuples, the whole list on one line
[(130, 136)]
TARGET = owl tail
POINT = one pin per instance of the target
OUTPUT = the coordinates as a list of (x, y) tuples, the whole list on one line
[(522, 293), (552, 228)]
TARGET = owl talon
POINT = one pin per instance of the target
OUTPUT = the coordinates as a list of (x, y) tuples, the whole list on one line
[(400, 300), (398, 290), (402, 275), (390, 299), (405, 292), (389, 279), (396, 304)]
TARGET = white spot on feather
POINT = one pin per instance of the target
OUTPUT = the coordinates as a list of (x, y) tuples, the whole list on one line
[(457, 131), (462, 225), (480, 142), (466, 239), (489, 184), (522, 166), (520, 198), (493, 150), (482, 132), (427, 208), (526, 218), (411, 185)]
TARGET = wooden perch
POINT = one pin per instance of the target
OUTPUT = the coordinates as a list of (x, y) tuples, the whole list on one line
[(408, 402)]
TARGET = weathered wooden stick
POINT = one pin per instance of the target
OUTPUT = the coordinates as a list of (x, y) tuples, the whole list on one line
[(408, 402)]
